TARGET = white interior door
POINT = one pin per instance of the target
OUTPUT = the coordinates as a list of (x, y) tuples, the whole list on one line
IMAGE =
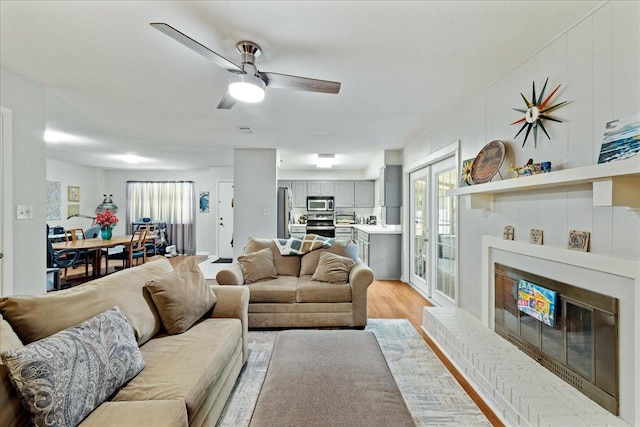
[(6, 203), (419, 230), (443, 237), (225, 219)]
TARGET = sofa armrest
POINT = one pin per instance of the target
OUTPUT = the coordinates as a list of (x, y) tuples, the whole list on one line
[(360, 278), (232, 275), (233, 302)]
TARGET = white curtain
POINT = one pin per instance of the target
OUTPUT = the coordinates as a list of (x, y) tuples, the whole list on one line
[(172, 202)]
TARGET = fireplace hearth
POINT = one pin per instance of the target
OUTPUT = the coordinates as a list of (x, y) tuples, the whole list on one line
[(581, 347)]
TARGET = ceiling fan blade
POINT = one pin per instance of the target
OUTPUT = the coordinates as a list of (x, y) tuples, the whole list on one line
[(197, 47), (285, 81), (226, 102)]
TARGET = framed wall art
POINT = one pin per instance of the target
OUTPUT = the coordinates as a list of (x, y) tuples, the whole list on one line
[(508, 233), (73, 209), (73, 193), (621, 139), (579, 240), (54, 199), (204, 202)]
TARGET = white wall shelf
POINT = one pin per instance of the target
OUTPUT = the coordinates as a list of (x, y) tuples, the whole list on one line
[(614, 184)]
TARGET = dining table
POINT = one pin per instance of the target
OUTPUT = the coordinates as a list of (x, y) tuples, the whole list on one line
[(96, 245)]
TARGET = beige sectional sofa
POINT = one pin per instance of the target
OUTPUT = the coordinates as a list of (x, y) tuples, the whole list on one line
[(294, 299), (187, 376)]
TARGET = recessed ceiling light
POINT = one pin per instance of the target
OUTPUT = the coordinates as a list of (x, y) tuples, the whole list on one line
[(55, 136), (325, 160)]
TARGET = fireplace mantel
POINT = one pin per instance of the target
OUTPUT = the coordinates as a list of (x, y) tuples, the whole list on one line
[(614, 184), (627, 269)]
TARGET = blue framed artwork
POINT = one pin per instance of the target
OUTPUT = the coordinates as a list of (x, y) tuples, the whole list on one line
[(204, 202), (621, 139)]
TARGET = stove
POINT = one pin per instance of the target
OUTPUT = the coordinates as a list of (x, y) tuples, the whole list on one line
[(321, 224)]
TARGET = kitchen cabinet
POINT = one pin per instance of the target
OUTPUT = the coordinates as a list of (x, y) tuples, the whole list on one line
[(391, 186), (345, 196), (320, 188), (299, 190), (297, 230), (343, 232), (390, 194), (363, 194), (381, 252)]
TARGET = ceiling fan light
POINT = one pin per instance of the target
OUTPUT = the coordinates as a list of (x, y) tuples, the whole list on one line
[(246, 88)]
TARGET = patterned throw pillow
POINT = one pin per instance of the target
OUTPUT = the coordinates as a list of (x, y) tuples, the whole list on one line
[(62, 378)]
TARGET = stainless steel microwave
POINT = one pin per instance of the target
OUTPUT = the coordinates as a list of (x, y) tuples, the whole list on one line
[(320, 203)]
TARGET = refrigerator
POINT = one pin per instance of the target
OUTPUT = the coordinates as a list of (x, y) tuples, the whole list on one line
[(285, 215)]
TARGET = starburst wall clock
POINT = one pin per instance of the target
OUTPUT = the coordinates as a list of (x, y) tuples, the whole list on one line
[(537, 110)]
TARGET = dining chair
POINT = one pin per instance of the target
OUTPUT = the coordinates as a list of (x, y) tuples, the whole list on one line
[(73, 234), (137, 248), (63, 258), (152, 240)]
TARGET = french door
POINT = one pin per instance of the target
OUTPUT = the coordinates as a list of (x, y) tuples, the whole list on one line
[(434, 231)]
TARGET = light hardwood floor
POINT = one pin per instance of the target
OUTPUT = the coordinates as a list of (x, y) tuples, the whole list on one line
[(393, 299)]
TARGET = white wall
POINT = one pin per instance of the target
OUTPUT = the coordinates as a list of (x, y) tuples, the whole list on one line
[(255, 193), (26, 99), (91, 183), (598, 64)]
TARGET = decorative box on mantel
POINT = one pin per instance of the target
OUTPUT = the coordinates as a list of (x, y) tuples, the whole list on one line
[(614, 184)]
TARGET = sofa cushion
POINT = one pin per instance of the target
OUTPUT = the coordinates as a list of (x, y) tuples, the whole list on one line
[(72, 306), (285, 265), (283, 289), (257, 266), (309, 261), (150, 413), (181, 296), (313, 291), (187, 366), (62, 378), (333, 268)]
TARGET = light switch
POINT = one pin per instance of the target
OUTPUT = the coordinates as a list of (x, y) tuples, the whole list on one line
[(266, 211), (24, 211)]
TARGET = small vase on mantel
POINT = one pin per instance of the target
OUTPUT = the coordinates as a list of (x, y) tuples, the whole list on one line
[(105, 233)]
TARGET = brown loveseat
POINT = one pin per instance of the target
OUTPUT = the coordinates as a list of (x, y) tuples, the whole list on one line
[(293, 299), (187, 377)]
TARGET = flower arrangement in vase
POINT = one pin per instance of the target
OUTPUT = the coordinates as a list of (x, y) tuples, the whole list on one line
[(106, 220)]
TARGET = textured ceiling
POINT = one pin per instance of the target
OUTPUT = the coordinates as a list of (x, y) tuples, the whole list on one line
[(116, 85)]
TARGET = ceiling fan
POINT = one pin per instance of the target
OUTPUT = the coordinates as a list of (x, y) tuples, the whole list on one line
[(246, 82)]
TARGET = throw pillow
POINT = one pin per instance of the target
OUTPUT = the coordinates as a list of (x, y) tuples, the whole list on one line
[(64, 377), (181, 296), (258, 266), (309, 261), (333, 268)]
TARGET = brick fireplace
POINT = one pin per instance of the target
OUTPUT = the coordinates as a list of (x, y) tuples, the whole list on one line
[(616, 278)]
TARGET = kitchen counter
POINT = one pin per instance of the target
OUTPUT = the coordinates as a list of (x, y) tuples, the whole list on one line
[(378, 229)]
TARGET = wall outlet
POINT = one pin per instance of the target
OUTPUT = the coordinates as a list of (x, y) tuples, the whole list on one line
[(24, 211), (266, 211)]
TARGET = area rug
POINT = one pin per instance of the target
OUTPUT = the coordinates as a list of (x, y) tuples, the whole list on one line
[(432, 395)]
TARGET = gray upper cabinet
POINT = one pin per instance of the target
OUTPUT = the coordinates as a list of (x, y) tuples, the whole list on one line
[(299, 190), (320, 188), (391, 186), (364, 194), (344, 196)]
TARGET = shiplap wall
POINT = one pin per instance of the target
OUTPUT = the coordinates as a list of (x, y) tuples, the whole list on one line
[(598, 64)]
